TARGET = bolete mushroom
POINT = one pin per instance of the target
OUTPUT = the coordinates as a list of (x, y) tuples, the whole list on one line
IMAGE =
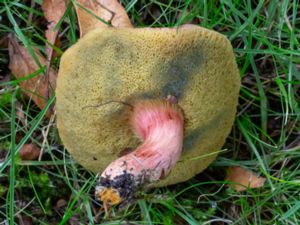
[(136, 76)]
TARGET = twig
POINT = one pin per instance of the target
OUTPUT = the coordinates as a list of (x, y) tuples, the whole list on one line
[(45, 135)]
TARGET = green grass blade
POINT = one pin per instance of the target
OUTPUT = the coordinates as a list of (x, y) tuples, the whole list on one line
[(12, 156), (38, 119)]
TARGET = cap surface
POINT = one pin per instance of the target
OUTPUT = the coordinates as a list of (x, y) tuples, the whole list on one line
[(192, 63)]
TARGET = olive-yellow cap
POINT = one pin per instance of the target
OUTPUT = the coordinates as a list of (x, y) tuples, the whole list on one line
[(194, 64)]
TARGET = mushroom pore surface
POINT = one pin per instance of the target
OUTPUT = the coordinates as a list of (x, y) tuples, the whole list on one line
[(192, 63)]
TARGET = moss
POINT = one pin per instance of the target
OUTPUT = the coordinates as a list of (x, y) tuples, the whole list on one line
[(194, 64)]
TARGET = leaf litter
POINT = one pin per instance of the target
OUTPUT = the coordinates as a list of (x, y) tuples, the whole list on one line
[(242, 179), (92, 14), (22, 64), (29, 152)]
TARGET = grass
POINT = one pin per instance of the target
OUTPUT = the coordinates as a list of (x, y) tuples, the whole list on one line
[(265, 137)]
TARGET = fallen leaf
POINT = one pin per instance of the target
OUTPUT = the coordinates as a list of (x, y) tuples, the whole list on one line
[(22, 64), (51, 35), (61, 203), (110, 11), (29, 152), (53, 11), (243, 178)]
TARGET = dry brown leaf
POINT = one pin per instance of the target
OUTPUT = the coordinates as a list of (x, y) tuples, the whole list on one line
[(54, 11), (109, 10), (29, 152), (22, 64), (243, 178), (61, 203), (51, 36)]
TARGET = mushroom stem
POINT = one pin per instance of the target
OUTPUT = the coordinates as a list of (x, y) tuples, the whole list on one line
[(160, 125)]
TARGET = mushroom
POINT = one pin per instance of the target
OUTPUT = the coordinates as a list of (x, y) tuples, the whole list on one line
[(169, 93), (159, 123)]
